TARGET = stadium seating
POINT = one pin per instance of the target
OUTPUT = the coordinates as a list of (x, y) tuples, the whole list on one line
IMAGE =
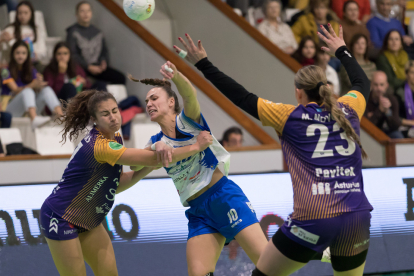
[(9, 136), (48, 141)]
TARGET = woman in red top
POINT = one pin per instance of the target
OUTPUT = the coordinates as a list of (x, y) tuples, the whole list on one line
[(364, 9), (65, 76)]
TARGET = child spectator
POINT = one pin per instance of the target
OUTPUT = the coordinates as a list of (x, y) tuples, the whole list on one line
[(322, 60), (23, 89), (382, 23), (359, 49), (88, 47), (24, 28), (65, 76), (232, 137), (350, 22), (406, 96), (393, 59), (382, 106), (338, 6), (309, 24), (275, 30), (306, 52)]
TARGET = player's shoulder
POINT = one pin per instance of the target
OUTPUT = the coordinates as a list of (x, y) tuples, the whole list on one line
[(157, 137), (263, 102)]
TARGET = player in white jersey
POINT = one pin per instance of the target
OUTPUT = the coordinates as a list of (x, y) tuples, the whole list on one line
[(219, 211)]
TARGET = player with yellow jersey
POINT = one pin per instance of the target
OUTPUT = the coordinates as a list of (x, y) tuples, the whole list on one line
[(321, 145), (71, 217)]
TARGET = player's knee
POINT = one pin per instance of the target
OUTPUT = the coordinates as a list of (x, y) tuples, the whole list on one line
[(257, 272)]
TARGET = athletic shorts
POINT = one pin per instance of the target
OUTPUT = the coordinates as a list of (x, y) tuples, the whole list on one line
[(223, 209), (347, 234), (54, 227)]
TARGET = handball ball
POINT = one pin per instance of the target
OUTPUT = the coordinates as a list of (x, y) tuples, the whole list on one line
[(139, 9)]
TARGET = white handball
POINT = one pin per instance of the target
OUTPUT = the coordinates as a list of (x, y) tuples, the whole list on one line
[(139, 9)]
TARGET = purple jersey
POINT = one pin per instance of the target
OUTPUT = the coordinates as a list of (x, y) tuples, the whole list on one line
[(86, 192), (325, 165)]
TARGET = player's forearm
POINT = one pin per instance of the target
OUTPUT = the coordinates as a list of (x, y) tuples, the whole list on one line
[(184, 86), (357, 76), (229, 87), (185, 152), (129, 179)]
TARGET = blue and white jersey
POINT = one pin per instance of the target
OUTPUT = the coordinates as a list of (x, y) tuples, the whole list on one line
[(194, 173)]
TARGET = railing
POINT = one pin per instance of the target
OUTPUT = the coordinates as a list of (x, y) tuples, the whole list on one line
[(377, 134), (224, 103)]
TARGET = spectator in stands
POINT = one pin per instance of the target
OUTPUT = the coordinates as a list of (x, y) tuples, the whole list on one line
[(396, 11), (24, 89), (24, 28), (382, 107), (359, 49), (232, 137), (364, 9), (393, 59), (406, 96), (322, 59), (350, 22), (298, 4), (381, 24), (316, 15), (88, 47), (306, 52), (275, 30), (65, 76)]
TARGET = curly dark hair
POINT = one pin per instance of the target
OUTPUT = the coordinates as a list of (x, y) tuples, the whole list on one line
[(166, 85), (79, 110)]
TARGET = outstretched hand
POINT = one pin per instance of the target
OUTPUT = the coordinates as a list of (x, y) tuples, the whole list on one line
[(333, 41), (194, 53)]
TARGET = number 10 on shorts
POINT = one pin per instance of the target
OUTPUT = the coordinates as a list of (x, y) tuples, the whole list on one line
[(232, 214)]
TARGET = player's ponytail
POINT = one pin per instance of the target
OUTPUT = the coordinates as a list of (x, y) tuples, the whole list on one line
[(312, 80), (166, 85), (78, 111)]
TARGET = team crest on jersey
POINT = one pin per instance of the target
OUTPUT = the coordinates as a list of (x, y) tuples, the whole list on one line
[(115, 145), (352, 94), (4, 74)]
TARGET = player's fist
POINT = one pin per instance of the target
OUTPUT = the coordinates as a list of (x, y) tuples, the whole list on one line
[(204, 140), (164, 153)]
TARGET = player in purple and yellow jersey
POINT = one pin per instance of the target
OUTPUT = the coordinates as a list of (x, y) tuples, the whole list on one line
[(71, 217), (321, 145)]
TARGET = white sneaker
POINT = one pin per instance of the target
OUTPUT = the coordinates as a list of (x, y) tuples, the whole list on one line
[(39, 121), (326, 257)]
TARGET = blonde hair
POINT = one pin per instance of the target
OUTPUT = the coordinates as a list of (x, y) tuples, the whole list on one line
[(309, 78)]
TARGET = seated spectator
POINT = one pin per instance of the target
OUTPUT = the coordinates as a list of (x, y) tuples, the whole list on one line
[(23, 89), (24, 28), (88, 47), (65, 76), (322, 59), (393, 59), (306, 52), (309, 24), (381, 24), (359, 49), (232, 137), (364, 9), (406, 96), (382, 106), (350, 22), (275, 30), (397, 8)]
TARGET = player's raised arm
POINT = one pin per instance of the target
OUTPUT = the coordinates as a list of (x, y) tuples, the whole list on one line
[(337, 47), (186, 90), (229, 87)]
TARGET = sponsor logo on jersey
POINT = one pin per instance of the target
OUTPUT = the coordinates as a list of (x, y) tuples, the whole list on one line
[(250, 206), (236, 223), (351, 94), (339, 171), (347, 53), (99, 210), (53, 226), (344, 188), (4, 74), (69, 232), (96, 188), (304, 235), (115, 146)]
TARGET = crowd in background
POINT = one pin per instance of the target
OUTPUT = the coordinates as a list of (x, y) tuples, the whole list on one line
[(32, 85), (376, 35)]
